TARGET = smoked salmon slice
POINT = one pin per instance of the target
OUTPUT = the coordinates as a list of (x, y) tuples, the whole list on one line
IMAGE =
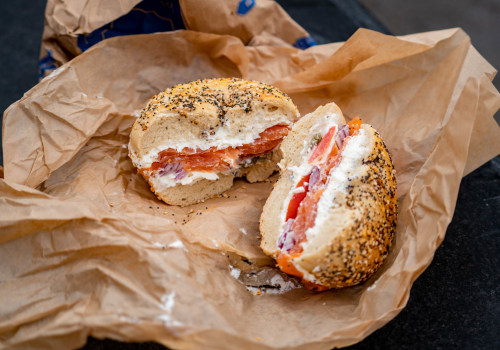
[(216, 160)]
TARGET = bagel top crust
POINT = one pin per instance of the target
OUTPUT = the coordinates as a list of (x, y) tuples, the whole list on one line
[(202, 112)]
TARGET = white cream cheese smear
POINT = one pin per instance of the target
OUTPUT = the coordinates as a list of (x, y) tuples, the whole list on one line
[(161, 182), (356, 149)]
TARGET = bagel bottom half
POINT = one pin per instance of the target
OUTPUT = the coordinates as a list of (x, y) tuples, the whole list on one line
[(352, 223)]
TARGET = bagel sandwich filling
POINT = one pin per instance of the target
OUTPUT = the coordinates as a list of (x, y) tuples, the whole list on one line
[(171, 167), (209, 130)]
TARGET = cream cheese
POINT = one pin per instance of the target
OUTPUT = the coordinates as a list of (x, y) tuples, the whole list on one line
[(356, 149), (321, 127), (306, 275), (161, 182), (298, 172), (223, 137)]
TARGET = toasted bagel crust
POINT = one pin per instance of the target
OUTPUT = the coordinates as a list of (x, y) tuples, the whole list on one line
[(355, 238), (193, 114)]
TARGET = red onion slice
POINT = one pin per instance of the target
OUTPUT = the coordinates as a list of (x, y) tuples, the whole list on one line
[(342, 133), (179, 174), (286, 241), (173, 168), (314, 177)]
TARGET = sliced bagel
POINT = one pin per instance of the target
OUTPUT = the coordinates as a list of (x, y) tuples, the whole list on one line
[(193, 139), (331, 217)]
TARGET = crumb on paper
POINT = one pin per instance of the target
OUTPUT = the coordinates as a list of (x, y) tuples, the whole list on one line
[(159, 245), (167, 304), (243, 187), (277, 285), (168, 321), (167, 301), (128, 319), (243, 231), (176, 244), (235, 272)]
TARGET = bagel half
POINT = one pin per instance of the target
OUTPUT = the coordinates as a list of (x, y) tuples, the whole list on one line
[(331, 216), (192, 140)]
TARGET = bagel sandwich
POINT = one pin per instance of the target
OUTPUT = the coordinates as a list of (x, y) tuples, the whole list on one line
[(331, 216), (193, 139)]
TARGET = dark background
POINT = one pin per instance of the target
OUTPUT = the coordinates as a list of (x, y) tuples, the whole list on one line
[(455, 302)]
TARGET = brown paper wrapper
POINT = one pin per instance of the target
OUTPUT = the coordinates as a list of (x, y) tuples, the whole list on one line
[(87, 249), (266, 22)]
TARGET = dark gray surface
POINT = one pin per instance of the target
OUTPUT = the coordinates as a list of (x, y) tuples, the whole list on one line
[(331, 21), (479, 18), (21, 26), (455, 302)]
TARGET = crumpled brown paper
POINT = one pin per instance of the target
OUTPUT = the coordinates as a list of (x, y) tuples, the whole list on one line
[(266, 22), (87, 249)]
